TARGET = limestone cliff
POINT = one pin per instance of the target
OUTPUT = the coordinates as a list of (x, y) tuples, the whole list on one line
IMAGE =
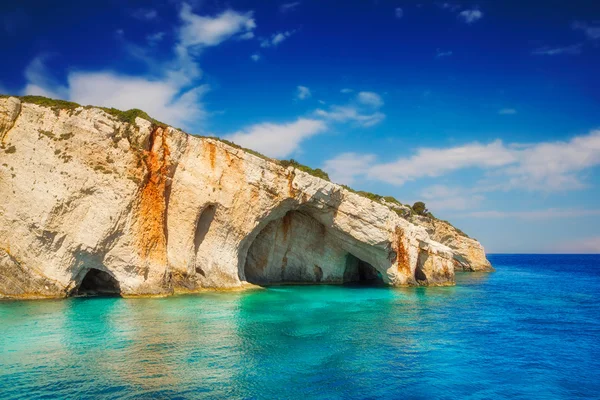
[(89, 196)]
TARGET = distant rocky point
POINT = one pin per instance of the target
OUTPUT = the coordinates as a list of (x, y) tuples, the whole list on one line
[(102, 201)]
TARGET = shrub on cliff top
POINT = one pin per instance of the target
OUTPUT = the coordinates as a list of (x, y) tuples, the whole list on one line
[(420, 209), (318, 172), (52, 103), (129, 116)]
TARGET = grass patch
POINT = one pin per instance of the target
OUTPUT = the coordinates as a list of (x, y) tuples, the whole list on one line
[(51, 103), (318, 172), (11, 150), (129, 116)]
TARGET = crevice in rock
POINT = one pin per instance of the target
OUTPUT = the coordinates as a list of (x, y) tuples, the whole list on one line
[(203, 224), (420, 275)]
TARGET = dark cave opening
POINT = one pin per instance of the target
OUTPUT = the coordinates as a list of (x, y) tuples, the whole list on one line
[(359, 272), (98, 283)]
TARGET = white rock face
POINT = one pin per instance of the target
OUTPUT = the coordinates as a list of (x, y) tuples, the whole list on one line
[(163, 212)]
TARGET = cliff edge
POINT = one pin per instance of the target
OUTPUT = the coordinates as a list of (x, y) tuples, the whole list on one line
[(96, 197)]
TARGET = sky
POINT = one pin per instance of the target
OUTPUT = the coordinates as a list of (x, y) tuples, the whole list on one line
[(488, 111)]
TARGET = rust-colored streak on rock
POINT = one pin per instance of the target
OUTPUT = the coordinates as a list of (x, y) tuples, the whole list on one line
[(212, 153), (290, 179), (153, 201), (401, 253)]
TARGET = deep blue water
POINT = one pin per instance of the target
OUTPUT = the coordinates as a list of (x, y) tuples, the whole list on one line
[(529, 331)]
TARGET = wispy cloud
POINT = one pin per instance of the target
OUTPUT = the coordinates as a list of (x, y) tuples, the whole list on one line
[(449, 6), (287, 7), (507, 111), (441, 54), (207, 31), (155, 38), (341, 168), (470, 16), (589, 245), (362, 111), (276, 39), (170, 92), (591, 31), (302, 92), (550, 213), (255, 57), (351, 114), (556, 51), (398, 12), (277, 140), (545, 166), (346, 90), (442, 197), (370, 99), (145, 14)]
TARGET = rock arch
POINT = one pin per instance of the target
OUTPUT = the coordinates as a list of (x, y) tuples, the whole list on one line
[(301, 244)]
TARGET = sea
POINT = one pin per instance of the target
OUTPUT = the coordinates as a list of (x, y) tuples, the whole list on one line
[(530, 330)]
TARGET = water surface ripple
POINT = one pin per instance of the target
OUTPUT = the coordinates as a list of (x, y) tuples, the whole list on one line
[(529, 331)]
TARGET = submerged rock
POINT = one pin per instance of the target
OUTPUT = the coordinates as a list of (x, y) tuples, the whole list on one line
[(159, 211)]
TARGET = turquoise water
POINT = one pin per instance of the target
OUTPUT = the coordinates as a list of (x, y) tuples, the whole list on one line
[(529, 331)]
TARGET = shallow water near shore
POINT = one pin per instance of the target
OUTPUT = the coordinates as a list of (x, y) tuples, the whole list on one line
[(531, 330)]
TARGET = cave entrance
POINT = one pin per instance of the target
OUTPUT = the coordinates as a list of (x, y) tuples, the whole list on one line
[(299, 249), (359, 272), (98, 283)]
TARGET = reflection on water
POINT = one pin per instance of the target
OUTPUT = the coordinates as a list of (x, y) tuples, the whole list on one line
[(516, 333)]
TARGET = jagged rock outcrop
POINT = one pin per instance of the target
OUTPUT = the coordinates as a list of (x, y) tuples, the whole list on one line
[(156, 211)]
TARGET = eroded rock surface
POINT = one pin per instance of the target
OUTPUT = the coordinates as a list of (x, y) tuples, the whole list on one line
[(161, 211)]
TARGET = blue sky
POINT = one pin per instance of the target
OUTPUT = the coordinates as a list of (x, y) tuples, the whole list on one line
[(489, 111)]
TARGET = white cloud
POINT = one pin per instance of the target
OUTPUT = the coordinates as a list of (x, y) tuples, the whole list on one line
[(546, 166), (428, 162), (553, 166), (276, 39), (154, 38), (160, 99), (350, 114), (556, 51), (302, 93), (346, 90), (398, 12), (342, 169), (450, 6), (199, 30), (286, 7), (246, 36), (507, 111), (370, 98), (255, 57), (277, 140), (590, 245), (441, 197), (550, 213), (40, 81), (145, 14), (591, 31), (470, 16), (440, 54), (169, 92)]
